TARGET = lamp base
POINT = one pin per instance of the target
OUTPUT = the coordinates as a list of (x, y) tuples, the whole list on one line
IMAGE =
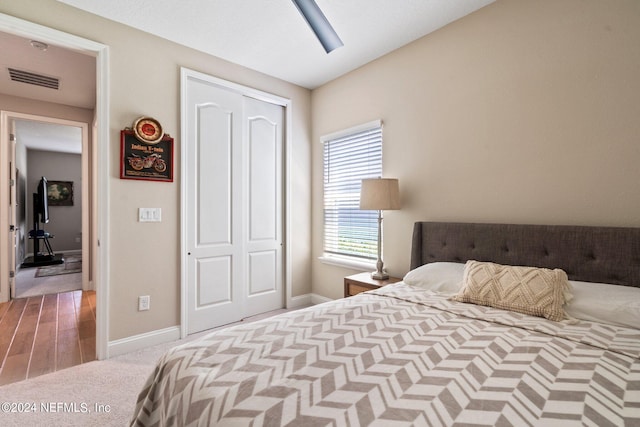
[(378, 275)]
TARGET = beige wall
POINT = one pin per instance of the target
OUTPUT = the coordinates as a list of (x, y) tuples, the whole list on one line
[(47, 109), (145, 80), (523, 112)]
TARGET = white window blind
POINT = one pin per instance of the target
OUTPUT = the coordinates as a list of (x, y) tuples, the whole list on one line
[(349, 158)]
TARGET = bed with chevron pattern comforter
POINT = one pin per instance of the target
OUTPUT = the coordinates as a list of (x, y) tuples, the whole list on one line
[(399, 356)]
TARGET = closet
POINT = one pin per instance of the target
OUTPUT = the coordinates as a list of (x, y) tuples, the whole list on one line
[(233, 201)]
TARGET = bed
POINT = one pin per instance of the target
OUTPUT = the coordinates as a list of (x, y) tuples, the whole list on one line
[(412, 354)]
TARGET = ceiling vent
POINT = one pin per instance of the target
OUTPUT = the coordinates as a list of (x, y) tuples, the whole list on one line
[(34, 79)]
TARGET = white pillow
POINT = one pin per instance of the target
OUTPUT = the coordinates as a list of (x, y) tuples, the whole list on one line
[(442, 277), (605, 303)]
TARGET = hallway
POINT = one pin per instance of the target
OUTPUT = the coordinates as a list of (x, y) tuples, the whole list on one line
[(43, 334)]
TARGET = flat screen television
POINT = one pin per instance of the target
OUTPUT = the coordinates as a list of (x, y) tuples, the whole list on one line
[(41, 214), (41, 204)]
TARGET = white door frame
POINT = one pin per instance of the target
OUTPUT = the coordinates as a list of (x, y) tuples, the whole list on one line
[(22, 28), (185, 75)]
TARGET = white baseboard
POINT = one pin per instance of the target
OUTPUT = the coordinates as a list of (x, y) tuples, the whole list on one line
[(72, 252), (90, 286), (161, 336), (307, 299), (139, 342), (319, 299), (299, 301)]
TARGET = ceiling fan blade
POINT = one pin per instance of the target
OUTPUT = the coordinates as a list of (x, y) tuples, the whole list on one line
[(319, 24)]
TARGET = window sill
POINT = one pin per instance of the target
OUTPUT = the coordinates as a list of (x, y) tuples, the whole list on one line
[(348, 263)]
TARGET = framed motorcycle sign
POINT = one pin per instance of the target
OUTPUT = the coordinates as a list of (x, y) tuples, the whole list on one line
[(142, 159)]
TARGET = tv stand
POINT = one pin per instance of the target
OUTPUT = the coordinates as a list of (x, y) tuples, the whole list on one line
[(40, 259)]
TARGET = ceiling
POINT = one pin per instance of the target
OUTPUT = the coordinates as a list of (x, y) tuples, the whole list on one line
[(49, 136), (76, 74), (271, 36)]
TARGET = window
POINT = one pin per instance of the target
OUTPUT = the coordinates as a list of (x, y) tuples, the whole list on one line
[(349, 157)]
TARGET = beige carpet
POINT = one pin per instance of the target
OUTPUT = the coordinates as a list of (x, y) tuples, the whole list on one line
[(28, 284), (110, 386), (100, 393)]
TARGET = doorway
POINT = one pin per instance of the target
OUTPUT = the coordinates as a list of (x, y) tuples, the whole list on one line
[(52, 254), (55, 321), (99, 157)]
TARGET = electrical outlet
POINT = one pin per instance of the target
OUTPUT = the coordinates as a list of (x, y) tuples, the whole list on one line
[(144, 302)]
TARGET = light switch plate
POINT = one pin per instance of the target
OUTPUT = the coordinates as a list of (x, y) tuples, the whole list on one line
[(149, 214)]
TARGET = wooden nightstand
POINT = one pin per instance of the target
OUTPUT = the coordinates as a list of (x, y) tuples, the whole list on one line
[(363, 282)]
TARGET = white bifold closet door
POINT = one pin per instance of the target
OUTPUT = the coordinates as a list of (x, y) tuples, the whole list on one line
[(234, 205)]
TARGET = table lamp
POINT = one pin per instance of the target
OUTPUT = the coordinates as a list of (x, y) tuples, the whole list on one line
[(380, 194)]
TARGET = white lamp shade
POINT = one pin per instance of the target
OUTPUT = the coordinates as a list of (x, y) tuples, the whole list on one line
[(380, 194)]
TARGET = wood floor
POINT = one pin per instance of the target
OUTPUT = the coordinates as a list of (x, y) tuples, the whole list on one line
[(46, 333)]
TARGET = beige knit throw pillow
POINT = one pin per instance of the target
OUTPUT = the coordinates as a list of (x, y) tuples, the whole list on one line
[(528, 290)]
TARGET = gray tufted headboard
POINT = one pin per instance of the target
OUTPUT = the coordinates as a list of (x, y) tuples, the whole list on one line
[(590, 254)]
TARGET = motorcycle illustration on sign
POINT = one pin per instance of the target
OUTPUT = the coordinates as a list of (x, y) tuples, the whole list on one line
[(153, 160)]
